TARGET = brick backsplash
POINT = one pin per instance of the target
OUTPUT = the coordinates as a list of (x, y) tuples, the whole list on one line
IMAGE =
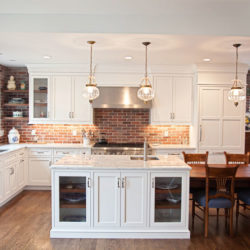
[(119, 125)]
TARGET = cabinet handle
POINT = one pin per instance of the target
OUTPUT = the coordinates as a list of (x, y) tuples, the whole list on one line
[(123, 182), (49, 163), (21, 161), (173, 115), (72, 114), (12, 171), (118, 182), (153, 183), (65, 153), (200, 133), (88, 182)]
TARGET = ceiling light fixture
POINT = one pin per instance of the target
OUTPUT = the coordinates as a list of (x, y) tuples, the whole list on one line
[(46, 57), (91, 91), (128, 57), (206, 59), (146, 92), (12, 60), (237, 93)]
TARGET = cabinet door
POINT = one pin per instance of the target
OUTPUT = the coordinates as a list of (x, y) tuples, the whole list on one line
[(10, 180), (169, 200), (72, 199), (134, 200), (62, 98), (162, 103), (2, 182), (107, 199), (20, 171), (182, 99), (81, 108), (39, 172)]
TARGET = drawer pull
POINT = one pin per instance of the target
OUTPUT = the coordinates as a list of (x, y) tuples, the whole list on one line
[(89, 183)]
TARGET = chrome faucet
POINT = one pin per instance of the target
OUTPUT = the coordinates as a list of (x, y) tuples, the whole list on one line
[(145, 156)]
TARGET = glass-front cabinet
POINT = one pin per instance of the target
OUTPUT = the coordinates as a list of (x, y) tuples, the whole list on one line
[(39, 98), (168, 196), (73, 199)]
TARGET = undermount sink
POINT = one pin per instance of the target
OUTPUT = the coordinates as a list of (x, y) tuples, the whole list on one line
[(141, 158), (3, 150)]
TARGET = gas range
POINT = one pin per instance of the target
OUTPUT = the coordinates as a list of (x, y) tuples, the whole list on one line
[(118, 149)]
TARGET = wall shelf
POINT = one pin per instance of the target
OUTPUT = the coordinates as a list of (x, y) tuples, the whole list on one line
[(16, 118), (16, 104), (41, 91), (16, 91)]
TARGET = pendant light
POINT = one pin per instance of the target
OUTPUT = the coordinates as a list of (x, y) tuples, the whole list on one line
[(91, 91), (236, 94), (146, 92)]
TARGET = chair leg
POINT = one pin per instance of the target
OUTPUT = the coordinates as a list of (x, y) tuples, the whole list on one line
[(237, 210), (206, 221), (193, 212), (218, 210), (231, 222), (225, 217)]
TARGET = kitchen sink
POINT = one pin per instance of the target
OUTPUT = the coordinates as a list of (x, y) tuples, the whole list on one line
[(141, 158), (3, 150)]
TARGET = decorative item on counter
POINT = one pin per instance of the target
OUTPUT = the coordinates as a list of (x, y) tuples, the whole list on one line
[(86, 140), (22, 85), (11, 83), (247, 121), (17, 114), (13, 136)]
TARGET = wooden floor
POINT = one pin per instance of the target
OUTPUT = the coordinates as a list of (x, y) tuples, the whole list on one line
[(25, 224)]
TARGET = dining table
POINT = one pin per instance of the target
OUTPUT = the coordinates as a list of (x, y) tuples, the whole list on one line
[(198, 174)]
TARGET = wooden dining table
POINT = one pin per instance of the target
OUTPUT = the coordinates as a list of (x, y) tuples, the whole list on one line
[(198, 174)]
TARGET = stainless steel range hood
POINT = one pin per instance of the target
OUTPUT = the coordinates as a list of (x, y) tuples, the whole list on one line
[(119, 97)]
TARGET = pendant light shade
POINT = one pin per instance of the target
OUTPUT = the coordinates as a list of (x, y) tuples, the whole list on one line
[(91, 92), (237, 93), (146, 92)]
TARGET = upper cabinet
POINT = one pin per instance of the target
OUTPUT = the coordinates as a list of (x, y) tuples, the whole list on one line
[(173, 100), (39, 98), (58, 99)]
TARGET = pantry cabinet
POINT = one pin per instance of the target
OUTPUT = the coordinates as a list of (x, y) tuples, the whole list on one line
[(173, 100), (221, 124)]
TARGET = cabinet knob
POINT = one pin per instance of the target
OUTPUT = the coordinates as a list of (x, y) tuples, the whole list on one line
[(123, 182), (89, 183), (118, 182)]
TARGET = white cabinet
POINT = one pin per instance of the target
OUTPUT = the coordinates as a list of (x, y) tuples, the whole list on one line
[(107, 199), (20, 172), (120, 199), (10, 179), (62, 98), (173, 100), (221, 123), (2, 188), (134, 199), (39, 172)]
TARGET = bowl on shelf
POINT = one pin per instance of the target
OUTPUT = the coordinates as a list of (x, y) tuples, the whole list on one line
[(42, 88), (16, 100), (74, 197), (17, 114)]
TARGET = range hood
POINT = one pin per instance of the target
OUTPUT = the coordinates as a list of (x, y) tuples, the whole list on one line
[(119, 97)]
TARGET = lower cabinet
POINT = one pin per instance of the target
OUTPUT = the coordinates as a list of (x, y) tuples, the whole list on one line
[(20, 172), (119, 204), (10, 178), (39, 171), (2, 188)]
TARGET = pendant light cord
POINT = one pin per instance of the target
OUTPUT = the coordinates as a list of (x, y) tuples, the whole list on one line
[(236, 70), (90, 70), (146, 61)]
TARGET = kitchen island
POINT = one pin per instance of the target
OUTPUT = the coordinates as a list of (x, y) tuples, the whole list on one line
[(111, 196)]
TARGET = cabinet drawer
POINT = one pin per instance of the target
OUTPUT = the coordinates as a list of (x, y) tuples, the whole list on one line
[(21, 153), (11, 158), (63, 152), (40, 152)]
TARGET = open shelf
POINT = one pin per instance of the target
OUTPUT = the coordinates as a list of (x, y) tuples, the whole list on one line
[(16, 104), (16, 118), (72, 205), (40, 104), (15, 91), (166, 204)]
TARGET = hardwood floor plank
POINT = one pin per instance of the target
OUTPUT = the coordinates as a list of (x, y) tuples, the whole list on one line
[(25, 223)]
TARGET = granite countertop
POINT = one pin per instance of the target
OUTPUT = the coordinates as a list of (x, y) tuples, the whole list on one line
[(119, 162), (172, 146)]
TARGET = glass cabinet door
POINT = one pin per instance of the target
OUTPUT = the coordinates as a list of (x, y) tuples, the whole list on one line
[(72, 199), (40, 97), (167, 199)]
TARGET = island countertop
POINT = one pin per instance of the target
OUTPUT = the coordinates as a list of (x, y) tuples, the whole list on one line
[(77, 162)]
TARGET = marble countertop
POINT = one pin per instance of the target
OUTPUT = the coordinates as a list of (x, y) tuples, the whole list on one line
[(119, 162), (172, 146)]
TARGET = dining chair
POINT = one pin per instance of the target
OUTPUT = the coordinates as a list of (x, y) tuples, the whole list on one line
[(243, 199), (195, 159), (218, 193), (240, 159)]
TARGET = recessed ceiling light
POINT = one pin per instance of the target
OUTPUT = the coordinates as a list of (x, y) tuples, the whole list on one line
[(128, 57), (46, 57), (206, 59), (12, 60), (1, 54)]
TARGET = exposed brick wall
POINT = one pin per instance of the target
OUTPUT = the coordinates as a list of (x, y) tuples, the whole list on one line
[(248, 92), (118, 125)]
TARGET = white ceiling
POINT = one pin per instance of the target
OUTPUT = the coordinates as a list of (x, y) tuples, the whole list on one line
[(190, 17), (28, 48)]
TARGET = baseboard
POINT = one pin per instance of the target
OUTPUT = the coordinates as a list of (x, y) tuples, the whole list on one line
[(37, 187)]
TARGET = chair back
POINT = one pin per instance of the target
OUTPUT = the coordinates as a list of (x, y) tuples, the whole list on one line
[(239, 159), (224, 182), (195, 159)]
